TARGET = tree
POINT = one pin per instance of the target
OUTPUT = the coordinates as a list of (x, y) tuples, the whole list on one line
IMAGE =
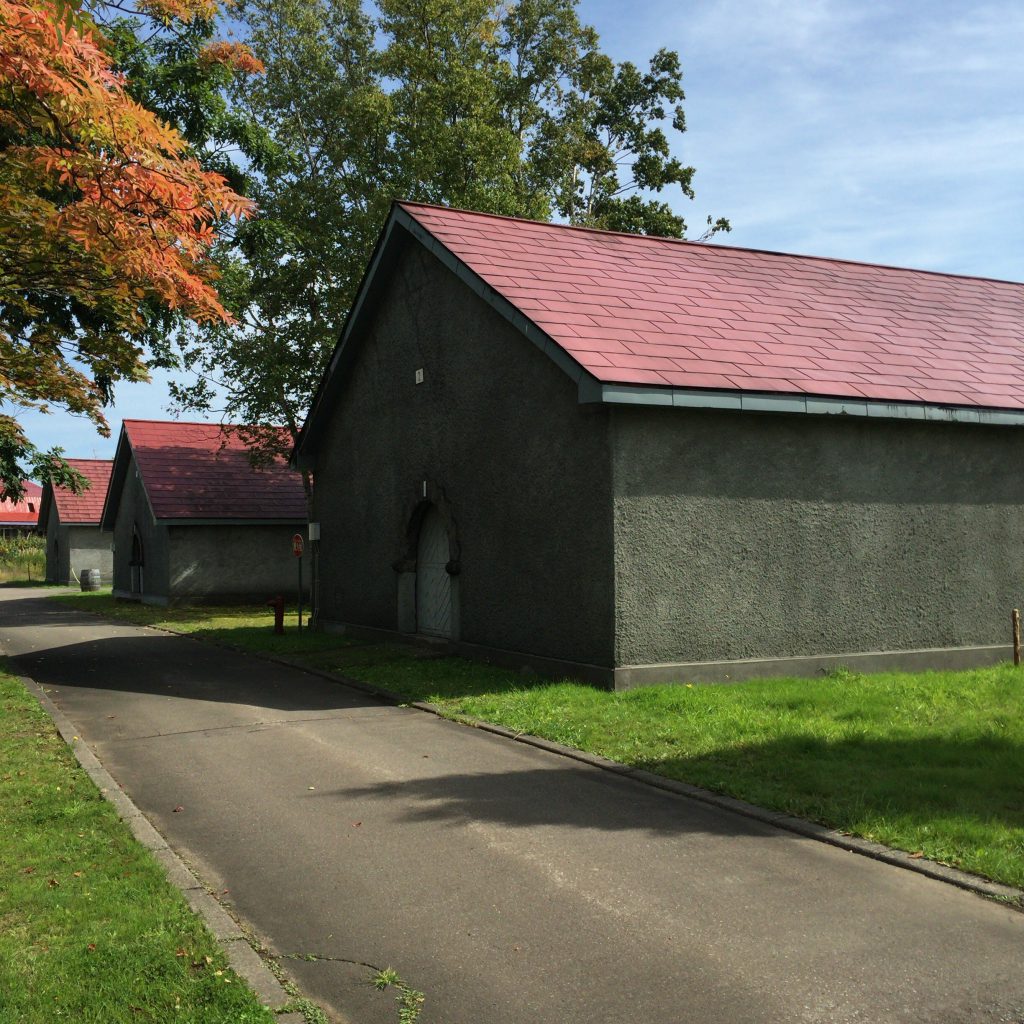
[(506, 108), (106, 225)]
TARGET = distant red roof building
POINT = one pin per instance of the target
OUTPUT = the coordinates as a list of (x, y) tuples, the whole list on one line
[(23, 514), (655, 311), (203, 471), (84, 508)]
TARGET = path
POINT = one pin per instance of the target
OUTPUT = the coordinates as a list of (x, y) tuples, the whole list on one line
[(511, 885)]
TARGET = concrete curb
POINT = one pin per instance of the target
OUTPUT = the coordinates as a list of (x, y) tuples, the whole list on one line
[(243, 959), (779, 819)]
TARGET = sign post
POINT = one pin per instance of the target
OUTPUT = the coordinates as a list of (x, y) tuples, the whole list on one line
[(297, 547)]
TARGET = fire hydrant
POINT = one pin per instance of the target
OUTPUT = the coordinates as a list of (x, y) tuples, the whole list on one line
[(277, 603)]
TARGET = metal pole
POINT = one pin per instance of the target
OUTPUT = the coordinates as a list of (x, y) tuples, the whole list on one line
[(314, 585), (1016, 636)]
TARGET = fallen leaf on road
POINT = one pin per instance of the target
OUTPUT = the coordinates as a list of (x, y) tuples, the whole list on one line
[(178, 808), (356, 824), (917, 854)]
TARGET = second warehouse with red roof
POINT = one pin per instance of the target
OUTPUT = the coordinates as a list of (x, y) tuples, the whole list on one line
[(71, 525), (635, 459), (193, 519)]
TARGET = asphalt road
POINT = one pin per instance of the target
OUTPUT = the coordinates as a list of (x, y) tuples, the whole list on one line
[(511, 885)]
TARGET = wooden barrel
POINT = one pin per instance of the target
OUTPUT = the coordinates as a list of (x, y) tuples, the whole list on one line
[(89, 579)]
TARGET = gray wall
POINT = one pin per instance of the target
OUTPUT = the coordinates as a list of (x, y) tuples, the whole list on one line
[(134, 511), (90, 549), (77, 547), (57, 552), (234, 562), (749, 536), (496, 428)]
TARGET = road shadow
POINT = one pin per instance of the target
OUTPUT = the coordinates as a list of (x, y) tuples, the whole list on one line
[(147, 661), (968, 790), (177, 666), (569, 795)]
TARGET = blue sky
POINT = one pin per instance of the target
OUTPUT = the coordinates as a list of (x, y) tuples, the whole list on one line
[(886, 132)]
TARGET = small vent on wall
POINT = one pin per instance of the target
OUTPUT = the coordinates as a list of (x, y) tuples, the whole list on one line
[(419, 376)]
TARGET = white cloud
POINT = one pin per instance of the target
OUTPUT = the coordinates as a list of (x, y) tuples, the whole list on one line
[(891, 131)]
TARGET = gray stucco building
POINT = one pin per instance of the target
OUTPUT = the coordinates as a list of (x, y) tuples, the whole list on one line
[(636, 460), (194, 521), (71, 524)]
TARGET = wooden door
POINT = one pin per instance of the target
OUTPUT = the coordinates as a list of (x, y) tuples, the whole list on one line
[(433, 584)]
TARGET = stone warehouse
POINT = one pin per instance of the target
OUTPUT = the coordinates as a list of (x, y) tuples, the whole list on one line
[(193, 520), (71, 524), (636, 459)]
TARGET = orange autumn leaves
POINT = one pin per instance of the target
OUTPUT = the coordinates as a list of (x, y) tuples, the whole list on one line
[(101, 206), (103, 173)]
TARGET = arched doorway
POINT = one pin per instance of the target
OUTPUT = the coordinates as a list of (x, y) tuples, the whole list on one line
[(136, 563), (433, 582)]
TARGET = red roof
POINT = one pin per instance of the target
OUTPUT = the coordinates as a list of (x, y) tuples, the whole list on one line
[(202, 471), (87, 506), (24, 512), (656, 311)]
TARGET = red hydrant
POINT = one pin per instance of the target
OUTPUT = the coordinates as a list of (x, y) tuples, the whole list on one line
[(277, 603)]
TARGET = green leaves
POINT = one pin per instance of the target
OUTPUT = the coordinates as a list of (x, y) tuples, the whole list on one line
[(507, 108)]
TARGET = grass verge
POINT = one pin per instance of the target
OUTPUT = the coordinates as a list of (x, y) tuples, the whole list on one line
[(931, 763), (90, 929)]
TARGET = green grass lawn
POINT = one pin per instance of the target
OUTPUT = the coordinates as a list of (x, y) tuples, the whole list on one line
[(929, 762), (91, 932)]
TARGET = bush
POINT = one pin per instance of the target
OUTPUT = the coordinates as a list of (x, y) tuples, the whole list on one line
[(22, 557)]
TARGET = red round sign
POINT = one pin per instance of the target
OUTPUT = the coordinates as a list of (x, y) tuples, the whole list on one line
[(297, 545)]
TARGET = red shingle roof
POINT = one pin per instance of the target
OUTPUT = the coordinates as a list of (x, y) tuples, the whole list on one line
[(655, 311), (87, 506), (202, 471), (24, 512)]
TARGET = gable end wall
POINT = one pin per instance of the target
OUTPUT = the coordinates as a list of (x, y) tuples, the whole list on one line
[(133, 509), (75, 547), (496, 429)]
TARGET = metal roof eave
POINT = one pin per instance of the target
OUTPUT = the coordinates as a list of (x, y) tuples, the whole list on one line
[(290, 521), (814, 405), (45, 500), (115, 486)]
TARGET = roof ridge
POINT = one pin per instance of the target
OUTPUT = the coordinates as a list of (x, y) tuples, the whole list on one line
[(712, 246), (183, 423)]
